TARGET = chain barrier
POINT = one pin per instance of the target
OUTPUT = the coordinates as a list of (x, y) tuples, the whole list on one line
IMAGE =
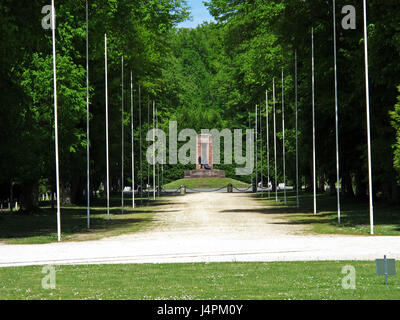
[(202, 190), (166, 191), (205, 190), (244, 190)]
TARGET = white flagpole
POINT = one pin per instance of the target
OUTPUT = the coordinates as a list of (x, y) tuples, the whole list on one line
[(87, 120), (253, 160), (158, 165), (162, 178), (148, 144), (261, 152), (140, 146), (276, 178), (297, 149), (267, 128), (132, 148), (256, 152), (107, 151), (336, 115), (53, 25), (283, 139), (313, 120), (154, 155), (371, 204), (122, 133)]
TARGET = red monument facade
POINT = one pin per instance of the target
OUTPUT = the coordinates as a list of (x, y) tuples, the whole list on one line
[(204, 159), (204, 151)]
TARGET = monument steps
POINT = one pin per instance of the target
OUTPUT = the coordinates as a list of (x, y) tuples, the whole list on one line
[(202, 173)]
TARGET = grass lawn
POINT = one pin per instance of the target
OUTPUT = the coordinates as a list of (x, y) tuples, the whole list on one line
[(205, 183), (42, 226), (276, 280), (354, 216)]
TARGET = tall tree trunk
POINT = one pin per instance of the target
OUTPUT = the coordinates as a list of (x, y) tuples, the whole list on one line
[(347, 185), (65, 194), (11, 197), (29, 198), (386, 190), (52, 197), (321, 184), (361, 186), (77, 193), (395, 193), (332, 187), (308, 177), (391, 191)]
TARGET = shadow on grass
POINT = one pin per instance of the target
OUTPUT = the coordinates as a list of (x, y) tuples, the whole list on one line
[(355, 213), (42, 225), (139, 202)]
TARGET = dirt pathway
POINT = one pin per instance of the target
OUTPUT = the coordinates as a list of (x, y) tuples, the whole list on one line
[(216, 215), (207, 227)]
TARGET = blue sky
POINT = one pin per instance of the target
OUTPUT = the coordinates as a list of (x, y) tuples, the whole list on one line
[(199, 13)]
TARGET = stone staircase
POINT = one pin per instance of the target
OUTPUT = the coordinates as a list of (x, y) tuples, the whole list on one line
[(202, 173)]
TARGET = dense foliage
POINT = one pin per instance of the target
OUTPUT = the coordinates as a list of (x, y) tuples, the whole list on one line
[(250, 44), (208, 77), (136, 29), (396, 124)]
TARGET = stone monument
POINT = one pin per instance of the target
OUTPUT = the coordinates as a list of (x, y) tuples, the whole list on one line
[(204, 159)]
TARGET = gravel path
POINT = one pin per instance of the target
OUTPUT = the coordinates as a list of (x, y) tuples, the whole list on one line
[(208, 227)]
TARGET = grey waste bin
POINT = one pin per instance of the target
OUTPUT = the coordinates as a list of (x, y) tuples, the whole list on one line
[(183, 190), (230, 188)]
